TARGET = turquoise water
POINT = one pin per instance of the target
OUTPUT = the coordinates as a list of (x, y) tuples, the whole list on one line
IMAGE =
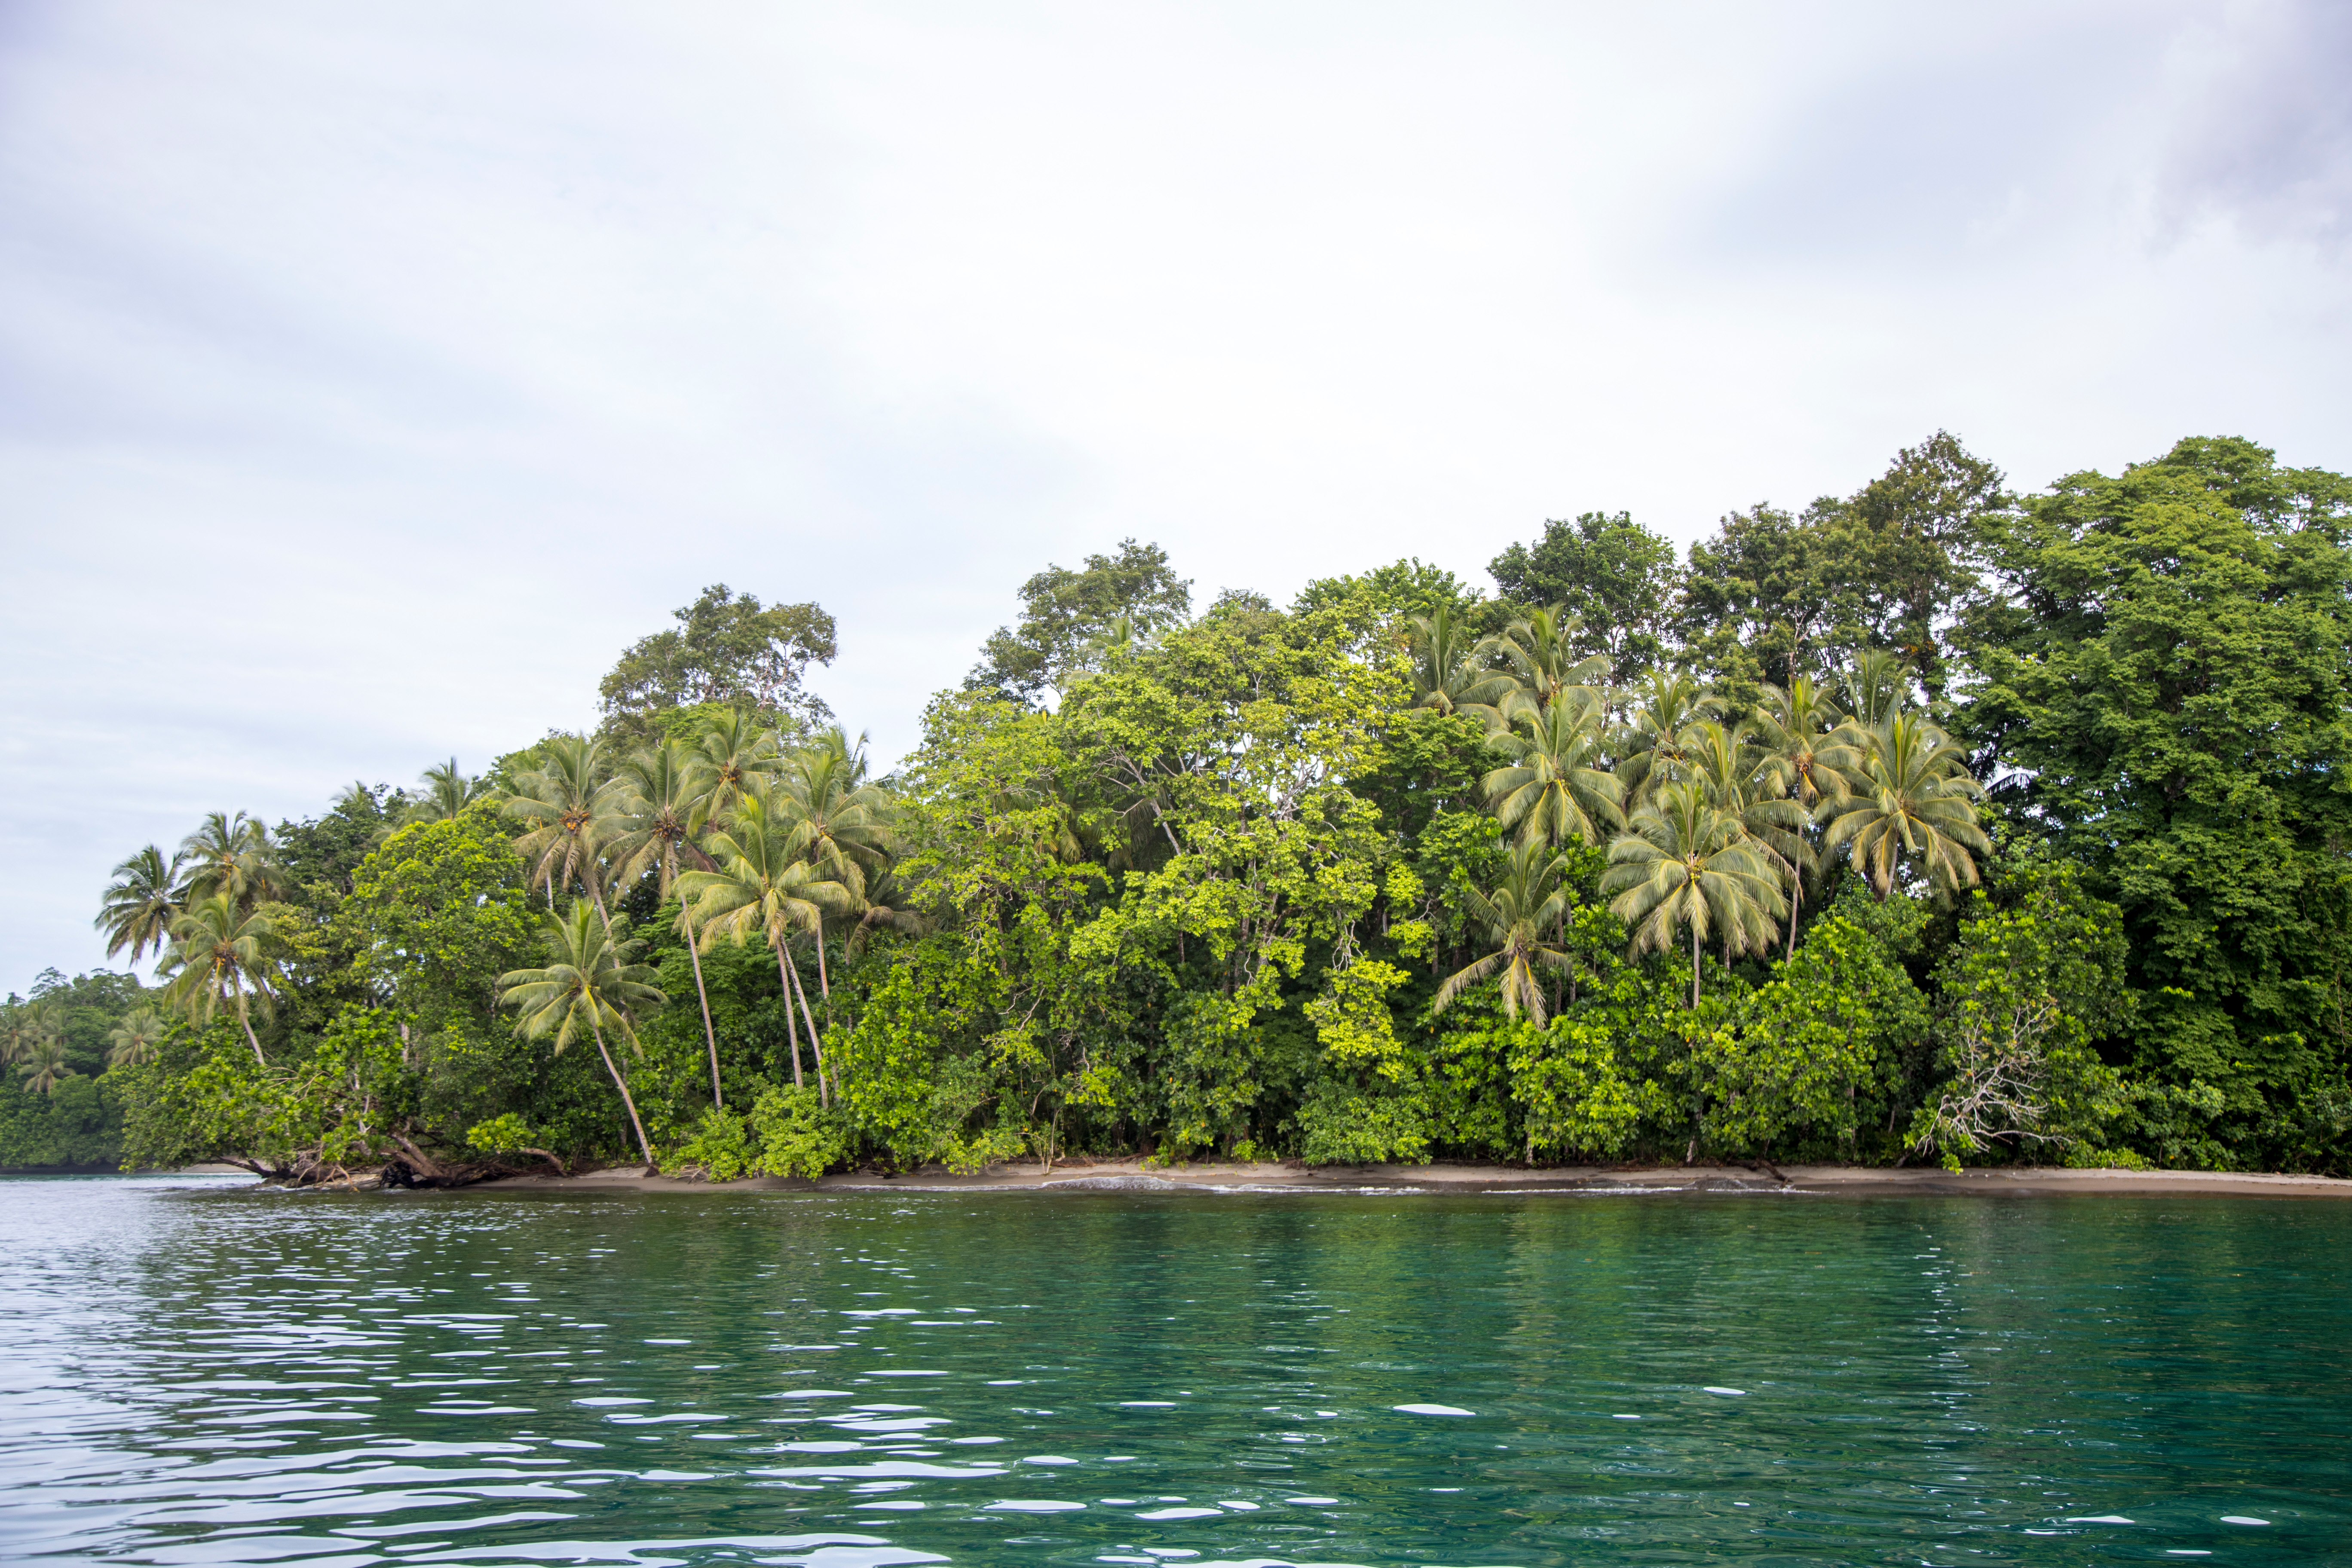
[(199, 1376)]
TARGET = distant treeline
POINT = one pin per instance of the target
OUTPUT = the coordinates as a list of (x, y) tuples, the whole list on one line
[(1932, 822)]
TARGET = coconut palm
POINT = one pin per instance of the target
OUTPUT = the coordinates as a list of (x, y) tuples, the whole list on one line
[(447, 793), (1876, 687), (657, 794), (1540, 651), (1449, 671), (1810, 753), (1740, 781), (1914, 801), (232, 855), (26, 1027), (137, 907), (571, 816), (137, 1038), (1528, 903), (741, 758), (217, 957), (1682, 862), (45, 1068), (1668, 703), (593, 981), (840, 822), (1555, 789), (763, 886)]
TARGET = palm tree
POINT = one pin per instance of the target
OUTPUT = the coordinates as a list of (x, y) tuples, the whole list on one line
[(1741, 781), (1653, 749), (1528, 903), (1914, 801), (448, 792), (572, 816), (840, 822), (232, 855), (1555, 788), (1809, 751), (137, 907), (1684, 862), (761, 885), (1810, 757), (136, 1038), (1448, 671), (1540, 650), (45, 1068), (1876, 687), (741, 757), (657, 794), (26, 1027), (593, 979), (217, 956)]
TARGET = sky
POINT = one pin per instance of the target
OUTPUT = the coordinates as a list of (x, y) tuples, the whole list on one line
[(370, 374)]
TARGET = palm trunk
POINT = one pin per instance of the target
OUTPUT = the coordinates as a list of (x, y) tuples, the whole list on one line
[(645, 1146), (824, 1097), (784, 976), (1694, 963), (718, 1096), (251, 1037)]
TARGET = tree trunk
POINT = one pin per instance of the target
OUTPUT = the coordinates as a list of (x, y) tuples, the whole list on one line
[(645, 1146), (824, 1097), (791, 1032), (251, 1037), (718, 1095), (1694, 963)]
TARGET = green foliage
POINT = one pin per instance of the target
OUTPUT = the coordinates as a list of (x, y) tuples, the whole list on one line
[(1632, 862), (797, 1136), (1813, 1055), (726, 650), (2025, 991), (2169, 663)]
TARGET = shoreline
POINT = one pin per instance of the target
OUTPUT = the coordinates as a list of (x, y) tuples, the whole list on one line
[(1132, 1175)]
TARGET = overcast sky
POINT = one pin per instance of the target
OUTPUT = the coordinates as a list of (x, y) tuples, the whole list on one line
[(370, 374)]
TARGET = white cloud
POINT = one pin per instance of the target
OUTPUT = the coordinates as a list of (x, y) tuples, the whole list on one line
[(371, 375)]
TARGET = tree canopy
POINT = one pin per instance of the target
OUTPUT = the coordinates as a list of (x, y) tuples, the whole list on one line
[(1932, 822)]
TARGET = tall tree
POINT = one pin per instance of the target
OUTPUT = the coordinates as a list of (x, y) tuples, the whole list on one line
[(657, 794), (137, 1037), (1682, 861), (447, 793), (1654, 750), (45, 1068), (217, 957), (1618, 580), (139, 903), (2164, 670), (232, 855), (1540, 654), (1914, 804), (592, 979), (1450, 674), (1518, 916), (763, 886), (571, 816), (741, 758), (1913, 538), (1066, 618), (726, 649), (1556, 788), (1779, 583)]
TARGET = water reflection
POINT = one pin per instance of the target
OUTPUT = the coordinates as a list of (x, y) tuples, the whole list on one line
[(230, 1376)]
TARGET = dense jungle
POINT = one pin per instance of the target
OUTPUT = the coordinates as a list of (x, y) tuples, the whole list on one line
[(1931, 823)]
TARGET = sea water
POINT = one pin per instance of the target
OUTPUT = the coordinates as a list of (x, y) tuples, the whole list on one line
[(198, 1372)]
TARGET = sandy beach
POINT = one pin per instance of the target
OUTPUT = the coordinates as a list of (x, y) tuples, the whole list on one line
[(1132, 1175)]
